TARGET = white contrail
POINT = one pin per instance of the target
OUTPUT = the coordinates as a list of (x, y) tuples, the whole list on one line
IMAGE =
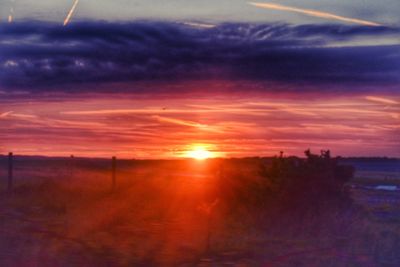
[(71, 12), (11, 15), (313, 13)]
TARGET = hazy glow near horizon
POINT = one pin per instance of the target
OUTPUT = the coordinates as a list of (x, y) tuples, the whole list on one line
[(151, 126)]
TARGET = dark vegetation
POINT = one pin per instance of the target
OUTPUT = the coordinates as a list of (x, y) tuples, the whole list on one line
[(310, 182), (315, 184), (281, 211)]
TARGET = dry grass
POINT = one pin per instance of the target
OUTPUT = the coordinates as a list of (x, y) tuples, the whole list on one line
[(162, 214)]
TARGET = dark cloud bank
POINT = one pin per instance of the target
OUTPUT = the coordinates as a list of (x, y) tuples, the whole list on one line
[(39, 55)]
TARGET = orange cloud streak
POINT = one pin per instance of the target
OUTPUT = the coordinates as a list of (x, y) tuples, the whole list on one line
[(239, 126), (381, 100), (314, 13), (196, 125)]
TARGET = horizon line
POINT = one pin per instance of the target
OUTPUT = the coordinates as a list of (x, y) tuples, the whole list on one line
[(185, 158)]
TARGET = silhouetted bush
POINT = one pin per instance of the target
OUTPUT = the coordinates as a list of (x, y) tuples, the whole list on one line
[(313, 182)]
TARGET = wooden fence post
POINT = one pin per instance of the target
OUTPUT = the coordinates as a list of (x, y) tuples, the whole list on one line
[(10, 171), (71, 166), (114, 167)]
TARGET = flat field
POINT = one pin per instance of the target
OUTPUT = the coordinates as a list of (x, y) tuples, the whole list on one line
[(65, 212)]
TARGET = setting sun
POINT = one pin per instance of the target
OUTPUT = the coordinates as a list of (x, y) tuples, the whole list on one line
[(199, 153)]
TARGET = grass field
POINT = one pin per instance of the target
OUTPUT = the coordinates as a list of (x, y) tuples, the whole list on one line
[(180, 213)]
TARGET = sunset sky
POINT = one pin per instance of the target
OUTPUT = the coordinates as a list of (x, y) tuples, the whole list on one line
[(151, 79)]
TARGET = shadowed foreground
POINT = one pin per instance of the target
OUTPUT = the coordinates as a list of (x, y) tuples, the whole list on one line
[(187, 213)]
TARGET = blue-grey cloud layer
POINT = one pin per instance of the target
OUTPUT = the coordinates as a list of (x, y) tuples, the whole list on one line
[(38, 54)]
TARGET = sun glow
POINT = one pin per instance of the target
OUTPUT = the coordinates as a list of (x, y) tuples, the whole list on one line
[(199, 153)]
